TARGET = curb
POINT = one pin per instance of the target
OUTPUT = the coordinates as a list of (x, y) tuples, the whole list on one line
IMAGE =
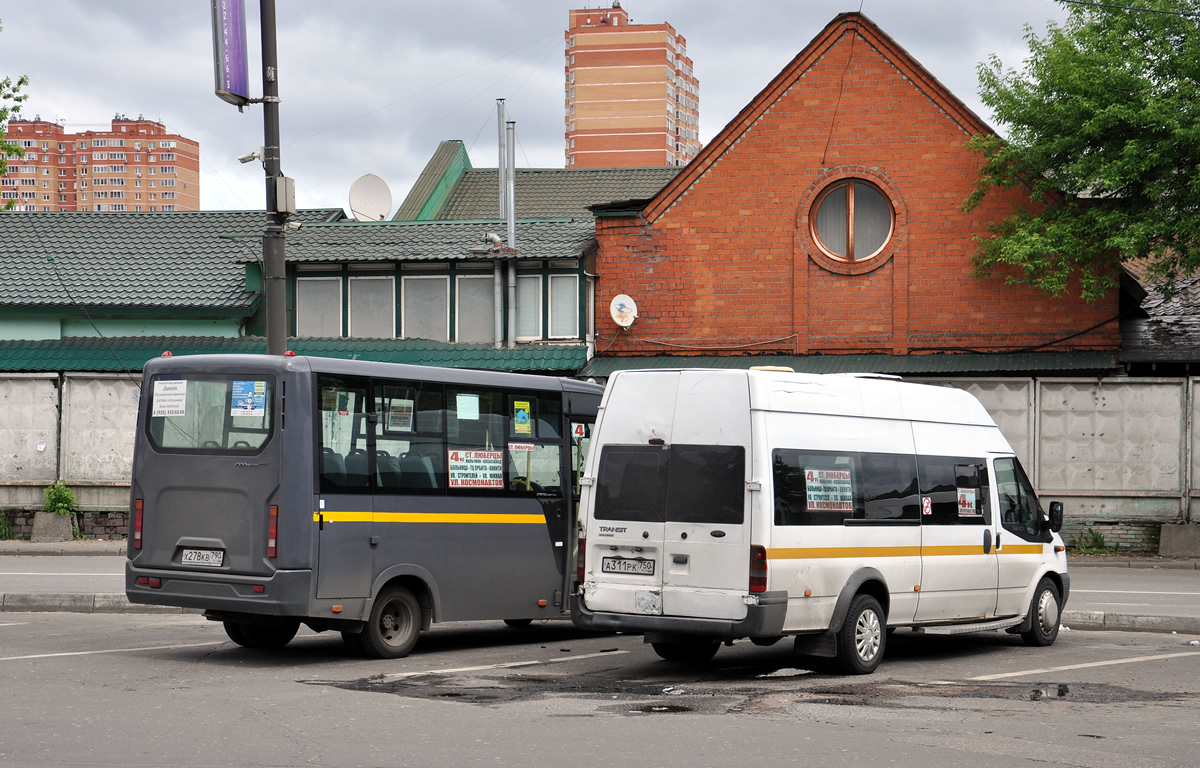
[(105, 602), (63, 549), (1128, 622)]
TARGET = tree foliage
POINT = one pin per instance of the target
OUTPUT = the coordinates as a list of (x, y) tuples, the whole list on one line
[(1103, 124), (10, 106)]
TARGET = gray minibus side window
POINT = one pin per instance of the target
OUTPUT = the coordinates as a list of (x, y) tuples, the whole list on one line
[(410, 445), (631, 483), (706, 484), (957, 488), (342, 438), (816, 488)]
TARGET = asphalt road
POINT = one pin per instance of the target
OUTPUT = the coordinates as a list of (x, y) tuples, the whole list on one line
[(134, 690), (1135, 592)]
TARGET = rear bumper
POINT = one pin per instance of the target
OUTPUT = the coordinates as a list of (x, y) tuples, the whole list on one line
[(285, 593), (764, 619)]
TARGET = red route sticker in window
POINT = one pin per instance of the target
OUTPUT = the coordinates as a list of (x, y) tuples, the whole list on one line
[(476, 469), (926, 505), (522, 447), (967, 505), (828, 490)]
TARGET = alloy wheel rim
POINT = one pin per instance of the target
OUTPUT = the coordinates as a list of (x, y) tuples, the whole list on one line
[(867, 634)]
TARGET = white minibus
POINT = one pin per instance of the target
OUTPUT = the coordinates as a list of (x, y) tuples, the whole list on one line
[(726, 504)]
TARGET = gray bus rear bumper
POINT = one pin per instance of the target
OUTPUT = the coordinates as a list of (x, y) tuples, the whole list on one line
[(765, 619), (285, 593)]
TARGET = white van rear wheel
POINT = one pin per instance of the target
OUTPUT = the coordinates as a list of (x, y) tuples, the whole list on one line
[(862, 637), (691, 651)]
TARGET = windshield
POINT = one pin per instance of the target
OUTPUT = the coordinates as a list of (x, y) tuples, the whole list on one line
[(210, 414)]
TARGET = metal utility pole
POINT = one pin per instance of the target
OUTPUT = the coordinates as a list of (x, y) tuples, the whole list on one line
[(274, 272)]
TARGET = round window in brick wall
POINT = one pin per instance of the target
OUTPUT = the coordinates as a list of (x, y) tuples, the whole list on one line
[(852, 220)]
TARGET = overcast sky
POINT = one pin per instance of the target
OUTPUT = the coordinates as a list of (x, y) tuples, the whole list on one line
[(372, 86)]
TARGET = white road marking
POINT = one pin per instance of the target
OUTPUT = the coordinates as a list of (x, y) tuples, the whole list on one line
[(15, 624), (1108, 663), (504, 665), (1127, 592), (110, 650)]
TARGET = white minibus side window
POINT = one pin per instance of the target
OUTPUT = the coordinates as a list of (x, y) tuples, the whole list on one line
[(958, 490), (1020, 512), (815, 488)]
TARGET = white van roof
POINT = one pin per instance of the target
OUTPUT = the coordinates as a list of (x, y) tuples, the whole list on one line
[(848, 395)]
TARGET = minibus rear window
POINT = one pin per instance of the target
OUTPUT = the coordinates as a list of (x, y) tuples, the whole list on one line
[(201, 413), (632, 483), (706, 484)]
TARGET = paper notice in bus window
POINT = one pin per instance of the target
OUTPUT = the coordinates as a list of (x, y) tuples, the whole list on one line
[(400, 415), (968, 505), (476, 469), (249, 398), (329, 399), (468, 407), (521, 422), (170, 398), (522, 447), (828, 490)]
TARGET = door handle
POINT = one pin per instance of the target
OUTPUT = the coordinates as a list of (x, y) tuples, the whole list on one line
[(679, 559)]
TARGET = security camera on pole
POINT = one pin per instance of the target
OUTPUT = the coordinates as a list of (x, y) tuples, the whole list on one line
[(232, 85)]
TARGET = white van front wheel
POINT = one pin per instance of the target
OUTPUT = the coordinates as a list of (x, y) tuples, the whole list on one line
[(862, 637), (1044, 611)]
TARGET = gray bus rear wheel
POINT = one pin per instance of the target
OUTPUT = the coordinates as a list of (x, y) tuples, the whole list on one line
[(395, 622)]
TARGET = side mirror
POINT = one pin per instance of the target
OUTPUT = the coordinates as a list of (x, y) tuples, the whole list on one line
[(1056, 516)]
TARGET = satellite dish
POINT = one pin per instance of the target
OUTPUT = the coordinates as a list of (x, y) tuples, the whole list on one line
[(623, 310), (370, 198)]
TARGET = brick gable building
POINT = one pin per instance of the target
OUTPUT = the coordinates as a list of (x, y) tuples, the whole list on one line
[(825, 219)]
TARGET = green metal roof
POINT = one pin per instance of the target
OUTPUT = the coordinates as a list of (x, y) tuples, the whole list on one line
[(346, 242), (1016, 363), (179, 260), (436, 182), (131, 353), (449, 189)]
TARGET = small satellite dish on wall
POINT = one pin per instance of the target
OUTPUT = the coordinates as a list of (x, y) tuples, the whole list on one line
[(370, 198), (623, 310)]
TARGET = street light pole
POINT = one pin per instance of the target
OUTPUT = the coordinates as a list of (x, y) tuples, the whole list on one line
[(274, 273)]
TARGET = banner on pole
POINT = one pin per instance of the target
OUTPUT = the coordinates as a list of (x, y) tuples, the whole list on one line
[(229, 51)]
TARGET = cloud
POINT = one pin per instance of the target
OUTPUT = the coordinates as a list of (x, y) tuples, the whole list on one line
[(375, 85)]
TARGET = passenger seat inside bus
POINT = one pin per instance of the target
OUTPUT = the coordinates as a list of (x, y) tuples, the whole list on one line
[(333, 467), (356, 468)]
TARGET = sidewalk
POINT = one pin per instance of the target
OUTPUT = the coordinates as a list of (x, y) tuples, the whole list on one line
[(82, 602)]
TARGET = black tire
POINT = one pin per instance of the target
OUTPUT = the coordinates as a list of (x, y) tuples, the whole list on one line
[(518, 623), (692, 651), (259, 635), (862, 638), (395, 622), (234, 630), (1045, 610)]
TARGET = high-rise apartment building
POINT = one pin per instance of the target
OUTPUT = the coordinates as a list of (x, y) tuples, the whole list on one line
[(631, 96), (137, 166)]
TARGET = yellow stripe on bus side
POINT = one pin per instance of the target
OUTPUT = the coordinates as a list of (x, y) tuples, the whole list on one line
[(792, 553), (427, 517), (817, 553)]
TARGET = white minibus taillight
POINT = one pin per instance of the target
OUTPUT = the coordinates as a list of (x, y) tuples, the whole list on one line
[(137, 524), (580, 560), (758, 569), (272, 531)]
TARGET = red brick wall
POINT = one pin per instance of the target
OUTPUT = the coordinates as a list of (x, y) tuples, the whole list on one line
[(730, 265)]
